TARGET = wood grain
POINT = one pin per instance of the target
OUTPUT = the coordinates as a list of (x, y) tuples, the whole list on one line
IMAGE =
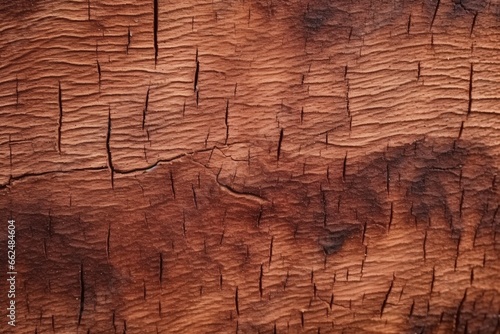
[(251, 166)]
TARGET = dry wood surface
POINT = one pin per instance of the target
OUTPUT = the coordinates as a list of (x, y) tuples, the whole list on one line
[(258, 166)]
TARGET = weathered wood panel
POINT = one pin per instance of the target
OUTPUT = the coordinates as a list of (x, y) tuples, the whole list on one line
[(251, 166)]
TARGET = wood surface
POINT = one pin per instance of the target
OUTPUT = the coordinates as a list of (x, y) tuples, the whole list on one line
[(265, 166)]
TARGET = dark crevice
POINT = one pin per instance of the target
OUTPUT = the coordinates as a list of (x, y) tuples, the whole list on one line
[(197, 72), (435, 13), (461, 130), (155, 29), (384, 303), (433, 279), (172, 186), (271, 251), (82, 295), (226, 122), (59, 122), (469, 106), (279, 144), (108, 149), (145, 110), (473, 23), (236, 302), (195, 200), (99, 74)]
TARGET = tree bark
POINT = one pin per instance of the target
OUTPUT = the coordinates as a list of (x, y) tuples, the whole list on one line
[(251, 166)]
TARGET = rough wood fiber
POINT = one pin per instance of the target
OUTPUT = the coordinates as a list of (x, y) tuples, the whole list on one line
[(252, 166)]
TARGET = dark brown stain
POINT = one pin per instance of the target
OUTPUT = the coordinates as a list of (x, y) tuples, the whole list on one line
[(430, 179), (17, 9), (335, 236), (318, 14), (473, 6), (331, 22), (51, 253)]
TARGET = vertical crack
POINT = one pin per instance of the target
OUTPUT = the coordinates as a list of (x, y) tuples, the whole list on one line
[(195, 200), (236, 302), (391, 217), (145, 110), (348, 88), (82, 295), (59, 122), (271, 251), (473, 24), (99, 74), (384, 303), (197, 72), (226, 122), (461, 130), (108, 149), (469, 106), (155, 29), (435, 13), (279, 144), (172, 186), (433, 279), (129, 37)]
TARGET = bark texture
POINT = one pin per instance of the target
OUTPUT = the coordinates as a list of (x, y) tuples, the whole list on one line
[(258, 166)]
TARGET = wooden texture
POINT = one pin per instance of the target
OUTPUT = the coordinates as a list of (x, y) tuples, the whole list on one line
[(258, 166)]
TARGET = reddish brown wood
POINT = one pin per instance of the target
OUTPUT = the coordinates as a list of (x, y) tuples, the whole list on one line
[(251, 166)]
